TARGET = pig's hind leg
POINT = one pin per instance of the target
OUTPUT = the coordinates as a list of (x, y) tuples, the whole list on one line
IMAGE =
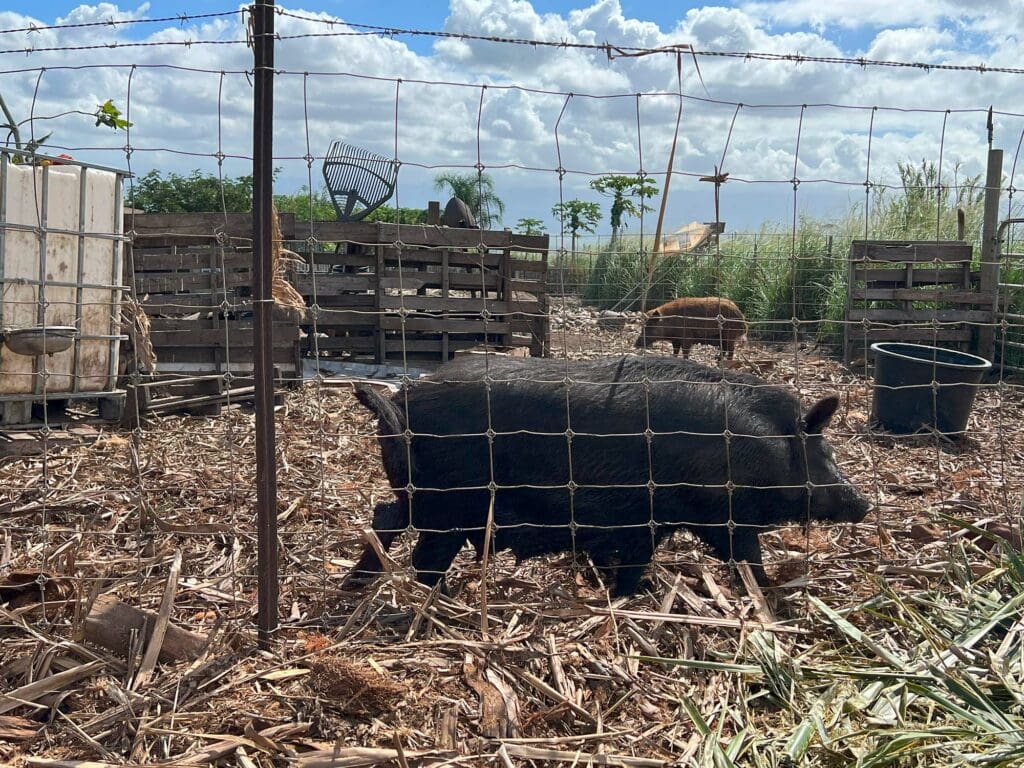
[(741, 546), (389, 520), (623, 567), (434, 553)]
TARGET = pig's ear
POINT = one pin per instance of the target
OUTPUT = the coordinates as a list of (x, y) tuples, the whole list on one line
[(820, 415)]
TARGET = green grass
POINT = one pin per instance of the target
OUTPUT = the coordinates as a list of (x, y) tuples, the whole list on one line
[(790, 281)]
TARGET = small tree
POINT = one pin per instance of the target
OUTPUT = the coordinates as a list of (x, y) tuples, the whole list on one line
[(306, 206), (622, 190), (198, 192), (477, 191), (577, 216), (530, 226), (389, 215)]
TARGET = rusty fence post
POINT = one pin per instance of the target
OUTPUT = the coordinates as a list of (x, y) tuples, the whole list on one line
[(263, 300)]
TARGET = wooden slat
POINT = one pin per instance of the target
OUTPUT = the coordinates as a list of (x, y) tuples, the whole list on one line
[(527, 265), (910, 335), (202, 224), (185, 303), (440, 304), (214, 356), (442, 325), (164, 324), (428, 345), (179, 282), (338, 321), (215, 338), (418, 234), (527, 286), (412, 258), (921, 276), (347, 343), (332, 282), (410, 280), (910, 250), (342, 301), (920, 315), (333, 258), (917, 294), (146, 260)]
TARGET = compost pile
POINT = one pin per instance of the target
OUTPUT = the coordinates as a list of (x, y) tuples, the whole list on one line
[(528, 663)]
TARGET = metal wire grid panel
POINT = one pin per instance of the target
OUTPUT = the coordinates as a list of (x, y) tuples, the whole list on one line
[(176, 495)]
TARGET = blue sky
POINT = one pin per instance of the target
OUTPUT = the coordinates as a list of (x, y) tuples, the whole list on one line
[(182, 120)]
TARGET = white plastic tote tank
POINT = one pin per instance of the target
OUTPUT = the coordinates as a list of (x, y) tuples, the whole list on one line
[(61, 253)]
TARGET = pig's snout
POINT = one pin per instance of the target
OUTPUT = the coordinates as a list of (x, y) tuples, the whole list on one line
[(846, 504)]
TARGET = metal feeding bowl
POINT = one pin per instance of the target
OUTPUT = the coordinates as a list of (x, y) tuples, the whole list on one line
[(42, 340)]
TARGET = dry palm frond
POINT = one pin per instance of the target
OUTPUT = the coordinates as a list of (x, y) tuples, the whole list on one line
[(138, 326), (284, 292)]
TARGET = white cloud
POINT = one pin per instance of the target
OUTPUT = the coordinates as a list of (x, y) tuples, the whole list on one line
[(346, 86)]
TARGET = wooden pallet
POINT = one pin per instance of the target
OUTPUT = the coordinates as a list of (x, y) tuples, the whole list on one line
[(417, 295), (912, 291)]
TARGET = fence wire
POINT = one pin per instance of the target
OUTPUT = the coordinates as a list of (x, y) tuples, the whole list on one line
[(524, 394)]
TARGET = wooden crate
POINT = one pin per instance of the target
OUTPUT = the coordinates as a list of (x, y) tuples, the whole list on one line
[(912, 291)]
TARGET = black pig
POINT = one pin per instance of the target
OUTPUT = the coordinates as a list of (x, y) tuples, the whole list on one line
[(603, 457)]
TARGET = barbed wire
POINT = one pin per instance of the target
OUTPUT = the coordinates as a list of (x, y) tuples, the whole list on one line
[(611, 50), (182, 18)]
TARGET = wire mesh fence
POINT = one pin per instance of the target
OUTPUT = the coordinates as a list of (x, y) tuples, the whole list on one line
[(559, 493)]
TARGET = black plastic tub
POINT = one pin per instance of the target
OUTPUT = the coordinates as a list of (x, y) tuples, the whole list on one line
[(917, 386)]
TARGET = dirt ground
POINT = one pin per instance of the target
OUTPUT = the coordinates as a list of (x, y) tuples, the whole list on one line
[(520, 663)]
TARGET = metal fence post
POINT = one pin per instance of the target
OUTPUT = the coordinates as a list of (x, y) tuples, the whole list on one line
[(263, 279)]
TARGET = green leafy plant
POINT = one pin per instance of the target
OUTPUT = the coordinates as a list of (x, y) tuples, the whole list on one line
[(577, 216), (109, 115), (530, 226), (622, 190), (106, 114), (476, 190)]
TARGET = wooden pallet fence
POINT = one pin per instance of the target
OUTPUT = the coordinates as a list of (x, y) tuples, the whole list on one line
[(414, 295), (192, 274), (923, 292)]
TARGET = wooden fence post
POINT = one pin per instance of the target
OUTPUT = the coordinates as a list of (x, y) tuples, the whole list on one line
[(989, 277)]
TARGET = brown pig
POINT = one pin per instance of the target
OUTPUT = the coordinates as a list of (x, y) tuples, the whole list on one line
[(689, 321)]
